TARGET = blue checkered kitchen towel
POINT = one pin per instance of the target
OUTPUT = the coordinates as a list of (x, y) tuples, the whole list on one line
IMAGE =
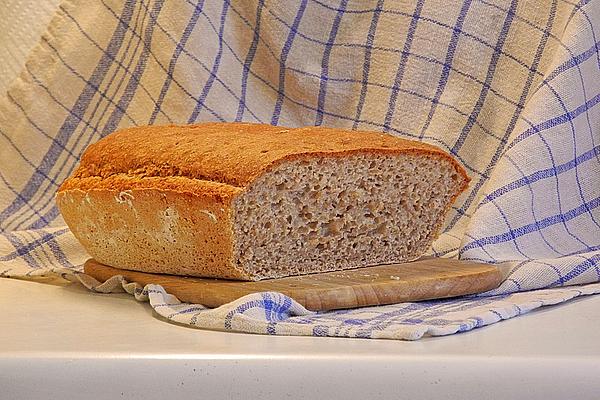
[(510, 88)]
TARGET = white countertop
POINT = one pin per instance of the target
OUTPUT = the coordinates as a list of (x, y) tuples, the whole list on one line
[(64, 342)]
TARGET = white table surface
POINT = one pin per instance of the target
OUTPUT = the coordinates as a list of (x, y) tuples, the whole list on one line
[(63, 342)]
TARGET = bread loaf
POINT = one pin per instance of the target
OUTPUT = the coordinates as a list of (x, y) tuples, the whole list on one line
[(249, 201)]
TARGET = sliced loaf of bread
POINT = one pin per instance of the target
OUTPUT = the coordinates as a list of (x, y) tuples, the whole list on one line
[(249, 201)]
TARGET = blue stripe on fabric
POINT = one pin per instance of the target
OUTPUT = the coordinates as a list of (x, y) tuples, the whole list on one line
[(36, 169), (542, 174), (487, 253), (240, 310), (275, 310), (545, 31), (489, 77), (45, 220), (572, 62), (134, 80), (21, 250), (18, 195), (161, 305), (99, 115), (59, 103), (325, 62), (529, 228), (576, 8), (267, 305), (513, 240), (513, 121), (516, 283), (577, 180), (442, 253), (271, 328), (532, 202), (56, 251), (270, 86), (199, 62), (556, 121), (367, 83), (70, 124), (32, 122), (579, 8), (207, 86), (158, 25), (367, 62), (578, 252), (249, 59), (53, 212), (119, 63), (402, 65), (447, 65), (124, 100), (410, 54), (347, 80), (283, 59), (93, 88), (557, 39), (421, 18), (348, 11), (583, 86), (560, 276), (577, 270), (587, 114), (185, 311), (174, 57), (555, 169)]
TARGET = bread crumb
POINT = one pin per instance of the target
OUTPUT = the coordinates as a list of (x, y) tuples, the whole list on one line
[(170, 219), (394, 277)]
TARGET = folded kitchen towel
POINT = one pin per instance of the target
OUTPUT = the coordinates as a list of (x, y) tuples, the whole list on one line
[(510, 88)]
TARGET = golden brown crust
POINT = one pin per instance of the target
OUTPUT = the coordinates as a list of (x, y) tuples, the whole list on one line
[(154, 230), (231, 153), (215, 191)]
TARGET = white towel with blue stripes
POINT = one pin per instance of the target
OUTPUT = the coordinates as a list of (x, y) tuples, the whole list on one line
[(510, 87)]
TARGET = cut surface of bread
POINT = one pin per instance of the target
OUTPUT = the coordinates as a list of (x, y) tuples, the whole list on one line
[(250, 201)]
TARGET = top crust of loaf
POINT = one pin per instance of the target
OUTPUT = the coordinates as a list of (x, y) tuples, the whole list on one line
[(229, 153)]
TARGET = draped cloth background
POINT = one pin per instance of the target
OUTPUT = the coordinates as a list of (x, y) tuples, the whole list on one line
[(510, 88)]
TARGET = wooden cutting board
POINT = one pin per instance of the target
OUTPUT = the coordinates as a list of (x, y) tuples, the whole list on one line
[(426, 279)]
